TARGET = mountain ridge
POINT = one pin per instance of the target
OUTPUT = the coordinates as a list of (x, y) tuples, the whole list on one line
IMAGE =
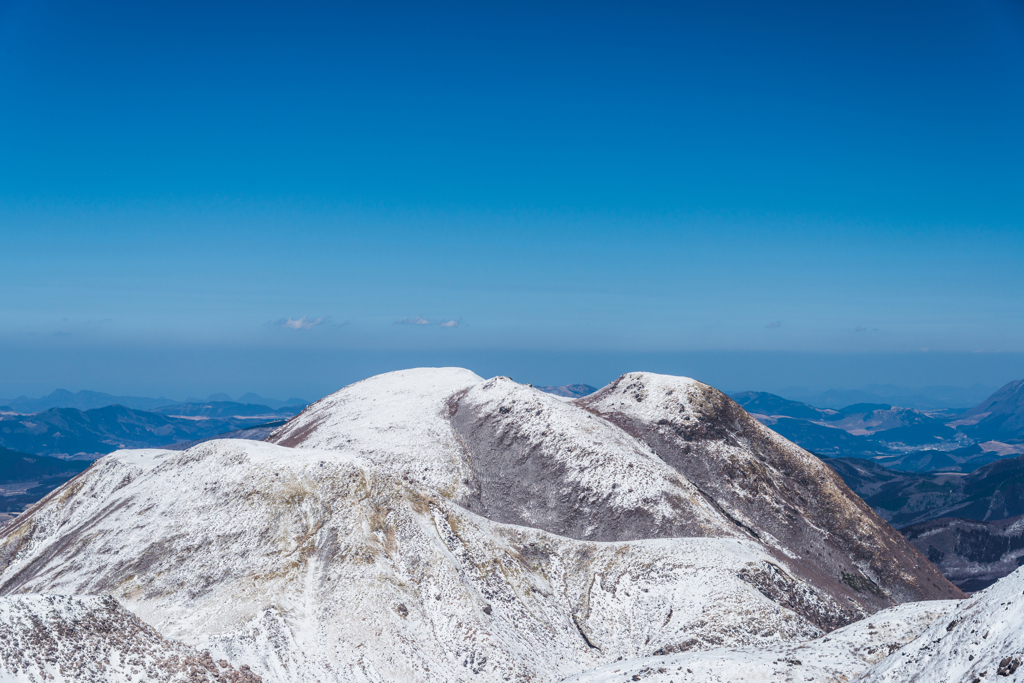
[(385, 533)]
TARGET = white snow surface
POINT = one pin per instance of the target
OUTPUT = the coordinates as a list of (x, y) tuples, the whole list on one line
[(398, 420), (840, 656), (981, 640), (315, 565)]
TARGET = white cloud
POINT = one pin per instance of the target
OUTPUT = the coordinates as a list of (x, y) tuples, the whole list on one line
[(303, 323), (420, 320)]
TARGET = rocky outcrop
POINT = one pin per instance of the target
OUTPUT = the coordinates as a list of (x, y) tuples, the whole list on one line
[(93, 638), (779, 493)]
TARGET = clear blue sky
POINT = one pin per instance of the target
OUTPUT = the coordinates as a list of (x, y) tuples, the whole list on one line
[(232, 197)]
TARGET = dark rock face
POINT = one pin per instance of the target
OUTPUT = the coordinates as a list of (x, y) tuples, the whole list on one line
[(972, 554), (779, 493), (93, 638), (537, 461)]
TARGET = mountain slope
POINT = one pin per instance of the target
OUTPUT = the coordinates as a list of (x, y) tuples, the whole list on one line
[(568, 390), (281, 558), (257, 433), (999, 417), (992, 492), (981, 640), (517, 455), (431, 525), (64, 638), (784, 495), (838, 657), (971, 554)]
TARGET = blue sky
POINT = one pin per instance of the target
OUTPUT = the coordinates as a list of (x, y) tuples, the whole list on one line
[(729, 190)]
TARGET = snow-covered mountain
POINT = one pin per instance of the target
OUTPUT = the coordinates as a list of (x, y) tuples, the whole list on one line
[(431, 525)]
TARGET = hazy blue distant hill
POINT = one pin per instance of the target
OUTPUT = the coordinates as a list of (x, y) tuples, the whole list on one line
[(89, 400), (899, 437), (569, 390), (17, 467), (829, 441), (924, 398), (82, 400), (272, 402), (763, 403), (999, 417), (993, 491), (227, 409), (67, 431)]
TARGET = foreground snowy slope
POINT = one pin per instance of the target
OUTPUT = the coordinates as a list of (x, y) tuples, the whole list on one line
[(981, 640), (838, 657), (308, 564), (62, 638)]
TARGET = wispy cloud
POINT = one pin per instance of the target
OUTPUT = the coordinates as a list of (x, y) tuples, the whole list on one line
[(420, 320), (860, 328), (777, 323), (303, 323)]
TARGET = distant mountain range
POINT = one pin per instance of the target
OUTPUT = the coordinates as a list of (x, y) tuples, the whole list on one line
[(25, 478), (903, 438), (89, 400), (925, 398), (227, 409), (952, 481), (69, 432), (993, 491), (568, 390), (971, 553)]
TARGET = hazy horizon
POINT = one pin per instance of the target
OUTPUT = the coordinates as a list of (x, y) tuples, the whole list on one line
[(312, 375)]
